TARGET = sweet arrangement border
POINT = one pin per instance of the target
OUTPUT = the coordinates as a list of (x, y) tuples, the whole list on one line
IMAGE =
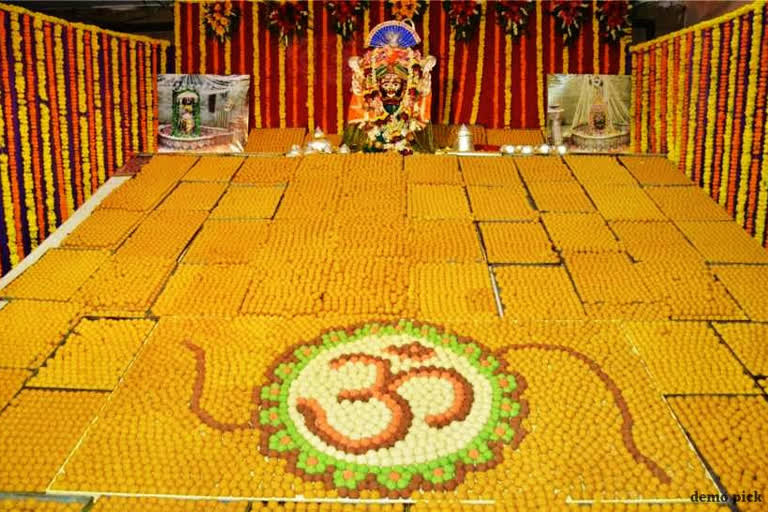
[(708, 112), (75, 102), (306, 83)]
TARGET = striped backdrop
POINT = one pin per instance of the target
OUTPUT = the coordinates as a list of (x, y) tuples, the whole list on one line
[(493, 79), (700, 97), (75, 102)]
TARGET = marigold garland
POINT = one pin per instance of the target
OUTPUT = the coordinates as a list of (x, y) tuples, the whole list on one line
[(134, 86), (34, 128), (7, 201), (479, 68), (62, 121), (45, 126), (508, 80), (464, 17), (311, 74), (712, 95), (749, 113), (256, 68), (644, 105), (116, 87), (23, 117), (595, 39), (98, 106), (281, 84), (539, 63)]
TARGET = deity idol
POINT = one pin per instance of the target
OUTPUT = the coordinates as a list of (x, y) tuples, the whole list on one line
[(391, 93)]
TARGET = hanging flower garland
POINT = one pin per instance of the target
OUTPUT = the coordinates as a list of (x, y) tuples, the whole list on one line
[(220, 19), (512, 15), (613, 17), (570, 14), (407, 9), (464, 17), (287, 19), (345, 15)]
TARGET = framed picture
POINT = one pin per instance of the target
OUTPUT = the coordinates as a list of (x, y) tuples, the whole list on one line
[(202, 113), (589, 113)]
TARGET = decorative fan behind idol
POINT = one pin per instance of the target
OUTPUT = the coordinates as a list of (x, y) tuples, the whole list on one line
[(395, 33)]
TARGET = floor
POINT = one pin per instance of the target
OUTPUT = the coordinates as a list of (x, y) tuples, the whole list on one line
[(425, 333)]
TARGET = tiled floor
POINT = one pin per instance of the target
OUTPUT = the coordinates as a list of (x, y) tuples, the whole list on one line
[(587, 333)]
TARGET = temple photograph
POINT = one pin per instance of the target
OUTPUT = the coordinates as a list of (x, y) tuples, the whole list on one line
[(383, 256)]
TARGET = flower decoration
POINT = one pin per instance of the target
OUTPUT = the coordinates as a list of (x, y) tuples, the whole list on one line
[(614, 19), (513, 15), (287, 19), (464, 17), (220, 19), (407, 9), (345, 14), (570, 14)]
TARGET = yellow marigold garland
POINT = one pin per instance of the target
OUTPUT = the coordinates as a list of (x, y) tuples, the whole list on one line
[(97, 103), (228, 56), (63, 121), (712, 94), (539, 65), (479, 71), (449, 79), (566, 57), (134, 96), (82, 116), (311, 71), (118, 121), (149, 85), (7, 202), (177, 35), (45, 125), (644, 103), (670, 119), (203, 43), (256, 73), (595, 40), (339, 85), (281, 49), (623, 52), (508, 81), (694, 95), (682, 92), (23, 117), (749, 115), (657, 99)]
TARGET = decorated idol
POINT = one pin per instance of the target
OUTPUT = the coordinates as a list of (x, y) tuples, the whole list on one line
[(391, 93)]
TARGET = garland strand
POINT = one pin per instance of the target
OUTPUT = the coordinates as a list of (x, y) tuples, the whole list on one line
[(479, 70)]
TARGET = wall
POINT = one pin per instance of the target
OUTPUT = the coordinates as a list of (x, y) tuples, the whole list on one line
[(75, 102), (700, 98), (493, 79)]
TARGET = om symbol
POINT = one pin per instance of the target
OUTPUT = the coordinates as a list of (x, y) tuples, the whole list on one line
[(385, 390)]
